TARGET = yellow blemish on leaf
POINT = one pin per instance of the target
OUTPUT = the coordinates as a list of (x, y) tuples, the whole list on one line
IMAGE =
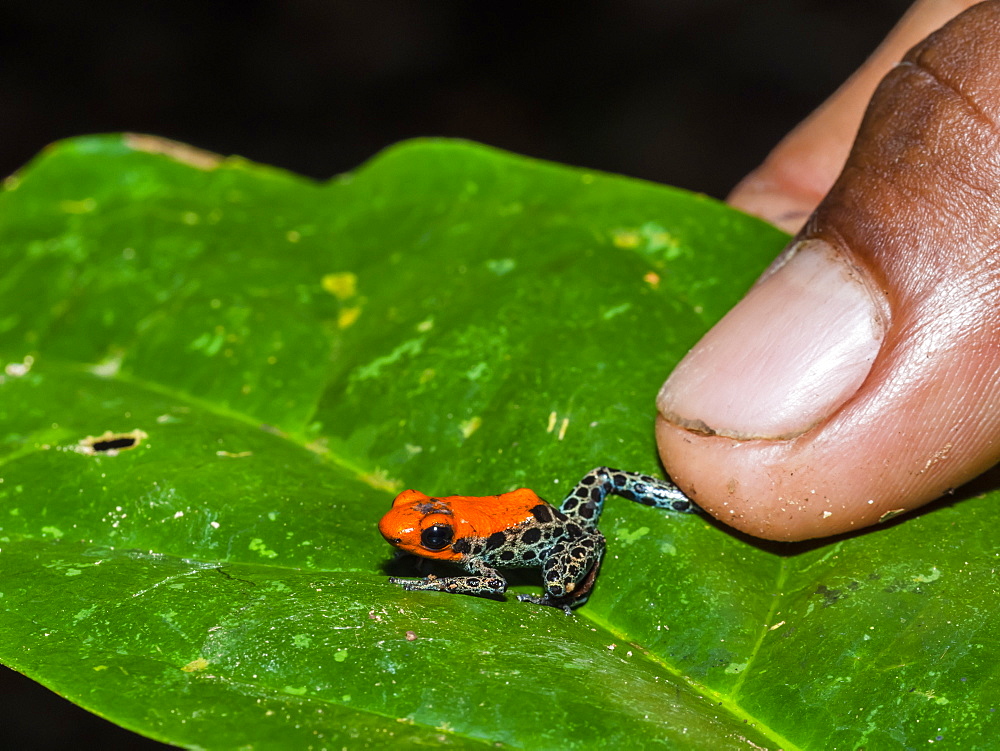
[(347, 317), (470, 426), (563, 427), (293, 236), (236, 455), (195, 665), (552, 421), (652, 279), (427, 375), (425, 325), (78, 207), (341, 285), (626, 238)]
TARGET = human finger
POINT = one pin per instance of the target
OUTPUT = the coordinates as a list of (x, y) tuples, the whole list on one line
[(860, 377)]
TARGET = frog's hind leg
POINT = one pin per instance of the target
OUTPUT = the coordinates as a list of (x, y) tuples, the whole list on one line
[(586, 501), (570, 571)]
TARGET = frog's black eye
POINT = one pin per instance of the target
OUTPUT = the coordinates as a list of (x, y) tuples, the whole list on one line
[(437, 537)]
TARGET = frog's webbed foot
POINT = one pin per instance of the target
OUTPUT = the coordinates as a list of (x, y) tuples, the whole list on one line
[(465, 585)]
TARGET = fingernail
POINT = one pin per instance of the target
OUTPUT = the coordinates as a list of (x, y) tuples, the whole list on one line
[(792, 352)]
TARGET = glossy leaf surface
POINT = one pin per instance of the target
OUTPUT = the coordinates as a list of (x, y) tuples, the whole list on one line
[(286, 356)]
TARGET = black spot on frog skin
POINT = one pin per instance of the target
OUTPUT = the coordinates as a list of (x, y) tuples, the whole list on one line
[(531, 536), (495, 540), (528, 555), (461, 546), (588, 511), (573, 530), (507, 555), (542, 512), (596, 494), (569, 504)]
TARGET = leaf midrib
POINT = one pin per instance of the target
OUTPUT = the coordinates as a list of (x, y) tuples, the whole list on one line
[(725, 701)]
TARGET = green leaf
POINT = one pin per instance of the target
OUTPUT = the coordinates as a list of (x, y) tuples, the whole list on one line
[(286, 356)]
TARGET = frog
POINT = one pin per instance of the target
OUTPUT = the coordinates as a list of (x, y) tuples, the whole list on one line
[(518, 529)]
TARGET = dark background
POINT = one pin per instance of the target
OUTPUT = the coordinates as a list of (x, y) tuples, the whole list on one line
[(687, 92)]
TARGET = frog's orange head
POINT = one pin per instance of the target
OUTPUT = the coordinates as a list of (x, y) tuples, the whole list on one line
[(421, 525)]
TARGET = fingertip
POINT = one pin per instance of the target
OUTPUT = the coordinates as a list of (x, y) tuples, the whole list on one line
[(787, 356)]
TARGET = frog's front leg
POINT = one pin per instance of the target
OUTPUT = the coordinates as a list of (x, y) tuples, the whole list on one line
[(570, 569), (484, 581)]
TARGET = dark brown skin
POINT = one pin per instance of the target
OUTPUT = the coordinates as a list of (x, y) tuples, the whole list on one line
[(912, 233)]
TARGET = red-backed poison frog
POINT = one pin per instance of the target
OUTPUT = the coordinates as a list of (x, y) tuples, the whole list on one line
[(520, 530)]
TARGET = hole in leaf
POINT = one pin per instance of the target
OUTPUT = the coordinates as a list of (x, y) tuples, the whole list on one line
[(110, 444), (114, 443)]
